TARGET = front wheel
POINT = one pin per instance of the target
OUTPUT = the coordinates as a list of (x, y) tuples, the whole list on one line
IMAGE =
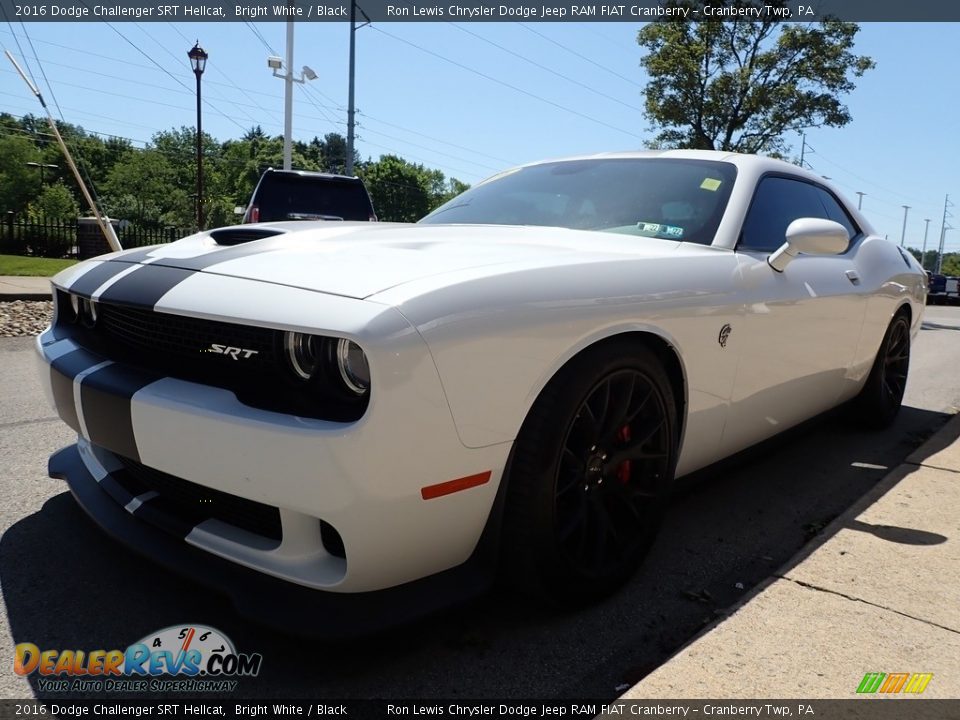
[(882, 395), (590, 471)]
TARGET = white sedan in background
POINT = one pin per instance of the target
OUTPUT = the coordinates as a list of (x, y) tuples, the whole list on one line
[(344, 426)]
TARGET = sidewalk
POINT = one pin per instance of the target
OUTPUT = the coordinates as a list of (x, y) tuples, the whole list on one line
[(24, 288), (877, 592)]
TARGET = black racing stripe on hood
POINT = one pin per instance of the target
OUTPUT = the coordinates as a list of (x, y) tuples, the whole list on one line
[(138, 255), (105, 399), (223, 254), (145, 286), (87, 283)]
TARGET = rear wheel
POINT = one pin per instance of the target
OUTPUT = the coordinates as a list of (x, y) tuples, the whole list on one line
[(881, 397), (589, 474)]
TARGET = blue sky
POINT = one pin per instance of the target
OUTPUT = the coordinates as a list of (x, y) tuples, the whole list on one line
[(472, 98)]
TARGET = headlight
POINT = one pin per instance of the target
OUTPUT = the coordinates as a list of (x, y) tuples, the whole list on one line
[(354, 369), (84, 310), (303, 353), (329, 364)]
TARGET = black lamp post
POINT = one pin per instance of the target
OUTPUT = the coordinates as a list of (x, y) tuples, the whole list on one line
[(41, 166), (198, 60)]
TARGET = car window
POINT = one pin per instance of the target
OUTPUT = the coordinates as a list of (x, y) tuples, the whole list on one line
[(836, 212), (672, 199), (283, 197), (777, 202)]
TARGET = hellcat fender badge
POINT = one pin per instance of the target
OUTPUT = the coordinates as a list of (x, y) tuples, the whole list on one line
[(724, 334)]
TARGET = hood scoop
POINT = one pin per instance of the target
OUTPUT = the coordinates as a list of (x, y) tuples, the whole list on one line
[(240, 235)]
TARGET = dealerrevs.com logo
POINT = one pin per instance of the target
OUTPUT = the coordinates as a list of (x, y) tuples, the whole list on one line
[(180, 658)]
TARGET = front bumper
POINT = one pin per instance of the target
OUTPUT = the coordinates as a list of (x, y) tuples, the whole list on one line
[(268, 600), (362, 478)]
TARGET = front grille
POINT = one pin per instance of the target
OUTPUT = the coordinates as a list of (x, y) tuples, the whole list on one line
[(249, 361), (153, 337), (193, 503)]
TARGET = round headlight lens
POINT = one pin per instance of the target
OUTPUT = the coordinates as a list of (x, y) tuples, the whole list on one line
[(303, 353), (354, 369), (87, 312)]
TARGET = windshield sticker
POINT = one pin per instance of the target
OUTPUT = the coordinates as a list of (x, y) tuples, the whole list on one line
[(710, 184), (659, 229)]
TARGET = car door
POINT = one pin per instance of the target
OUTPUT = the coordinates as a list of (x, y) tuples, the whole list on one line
[(800, 327)]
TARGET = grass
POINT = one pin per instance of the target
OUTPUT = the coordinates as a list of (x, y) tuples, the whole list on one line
[(31, 266)]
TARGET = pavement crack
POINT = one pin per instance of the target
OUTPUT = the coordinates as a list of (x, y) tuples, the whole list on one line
[(34, 421), (817, 588)]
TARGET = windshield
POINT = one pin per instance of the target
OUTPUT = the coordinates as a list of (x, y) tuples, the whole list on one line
[(649, 197), (307, 198)]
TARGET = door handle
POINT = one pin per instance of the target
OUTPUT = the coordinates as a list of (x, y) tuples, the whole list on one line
[(853, 277)]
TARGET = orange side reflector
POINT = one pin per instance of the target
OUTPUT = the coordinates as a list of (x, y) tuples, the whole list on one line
[(451, 486)]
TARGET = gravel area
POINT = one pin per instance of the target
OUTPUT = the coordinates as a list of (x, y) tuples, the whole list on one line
[(19, 318)]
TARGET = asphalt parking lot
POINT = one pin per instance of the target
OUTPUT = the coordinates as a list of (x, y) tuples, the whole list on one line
[(66, 586)]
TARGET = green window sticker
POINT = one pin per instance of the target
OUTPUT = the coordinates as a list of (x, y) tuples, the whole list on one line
[(653, 229), (711, 184)]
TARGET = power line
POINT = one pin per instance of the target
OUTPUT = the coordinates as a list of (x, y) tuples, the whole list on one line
[(505, 84), (582, 57), (547, 69)]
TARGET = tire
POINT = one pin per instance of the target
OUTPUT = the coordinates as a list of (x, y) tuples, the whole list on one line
[(579, 519), (879, 402)]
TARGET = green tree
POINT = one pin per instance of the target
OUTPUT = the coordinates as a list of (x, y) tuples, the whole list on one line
[(741, 85), (56, 202), (18, 181), (401, 191)]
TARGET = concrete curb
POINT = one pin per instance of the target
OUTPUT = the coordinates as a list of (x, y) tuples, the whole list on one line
[(25, 297), (934, 447)]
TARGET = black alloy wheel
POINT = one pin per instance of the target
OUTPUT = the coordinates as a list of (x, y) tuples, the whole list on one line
[(609, 479), (879, 402), (896, 362), (589, 473)]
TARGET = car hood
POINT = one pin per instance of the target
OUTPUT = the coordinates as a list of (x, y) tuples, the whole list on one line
[(361, 259)]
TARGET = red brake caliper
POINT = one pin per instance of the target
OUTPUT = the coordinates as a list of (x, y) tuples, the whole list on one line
[(623, 472)]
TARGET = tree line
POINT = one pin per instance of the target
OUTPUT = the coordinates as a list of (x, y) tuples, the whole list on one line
[(155, 186)]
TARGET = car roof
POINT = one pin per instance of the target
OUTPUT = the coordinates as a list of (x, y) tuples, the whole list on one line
[(309, 174), (761, 163)]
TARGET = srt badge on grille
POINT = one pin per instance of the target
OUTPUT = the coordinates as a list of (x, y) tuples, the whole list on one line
[(235, 352)]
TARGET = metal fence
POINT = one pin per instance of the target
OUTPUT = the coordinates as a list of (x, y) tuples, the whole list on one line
[(61, 238)]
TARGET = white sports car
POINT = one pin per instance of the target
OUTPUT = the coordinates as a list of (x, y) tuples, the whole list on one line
[(347, 425)]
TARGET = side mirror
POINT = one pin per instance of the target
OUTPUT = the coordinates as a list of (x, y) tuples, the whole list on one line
[(811, 236)]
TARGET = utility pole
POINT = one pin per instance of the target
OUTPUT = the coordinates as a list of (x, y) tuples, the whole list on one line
[(943, 232), (803, 148), (923, 253), (860, 199), (351, 108), (903, 233)]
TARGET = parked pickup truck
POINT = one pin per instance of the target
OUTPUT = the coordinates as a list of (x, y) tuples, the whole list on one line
[(944, 290)]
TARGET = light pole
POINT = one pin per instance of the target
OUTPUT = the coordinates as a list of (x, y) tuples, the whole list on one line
[(923, 253), (903, 233), (41, 166), (198, 60), (275, 64)]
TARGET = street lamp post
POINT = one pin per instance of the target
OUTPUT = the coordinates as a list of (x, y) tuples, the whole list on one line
[(198, 60), (903, 233), (289, 78), (41, 166)]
